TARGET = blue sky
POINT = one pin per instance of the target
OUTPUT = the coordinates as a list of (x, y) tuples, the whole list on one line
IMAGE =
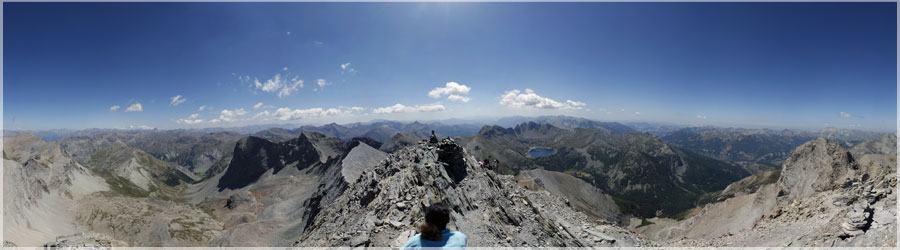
[(795, 65)]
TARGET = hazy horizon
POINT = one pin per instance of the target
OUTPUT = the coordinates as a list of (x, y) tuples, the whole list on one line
[(484, 121)]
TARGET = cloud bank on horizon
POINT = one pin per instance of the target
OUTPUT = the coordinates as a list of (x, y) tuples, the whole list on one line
[(701, 64)]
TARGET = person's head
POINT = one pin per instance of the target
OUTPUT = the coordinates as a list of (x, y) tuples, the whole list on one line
[(436, 218), (432, 132)]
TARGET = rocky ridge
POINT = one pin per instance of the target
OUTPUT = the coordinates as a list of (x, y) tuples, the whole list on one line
[(384, 206), (825, 196)]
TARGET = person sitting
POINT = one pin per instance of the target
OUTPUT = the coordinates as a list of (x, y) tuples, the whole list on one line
[(433, 138), (434, 233)]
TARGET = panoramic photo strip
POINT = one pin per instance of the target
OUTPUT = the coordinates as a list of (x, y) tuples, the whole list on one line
[(449, 125)]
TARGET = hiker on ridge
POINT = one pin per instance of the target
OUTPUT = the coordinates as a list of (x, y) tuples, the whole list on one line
[(434, 233), (433, 138)]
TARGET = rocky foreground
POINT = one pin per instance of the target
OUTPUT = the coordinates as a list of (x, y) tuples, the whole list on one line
[(825, 196), (384, 206)]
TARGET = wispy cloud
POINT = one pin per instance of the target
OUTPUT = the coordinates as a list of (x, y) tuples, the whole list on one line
[(260, 105), (322, 83), (114, 108), (175, 100), (400, 108), (453, 90), (347, 68), (201, 108), (517, 99), (136, 107), (284, 86), (701, 117), (287, 114), (848, 115)]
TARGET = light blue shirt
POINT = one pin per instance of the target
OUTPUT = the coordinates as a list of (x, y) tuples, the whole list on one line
[(449, 240)]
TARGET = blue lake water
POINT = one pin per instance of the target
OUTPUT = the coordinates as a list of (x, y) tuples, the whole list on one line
[(540, 152)]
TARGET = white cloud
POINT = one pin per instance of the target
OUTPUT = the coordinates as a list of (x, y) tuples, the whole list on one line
[(846, 115), (400, 108), (453, 89), (270, 85), (458, 98), (318, 44), (201, 108), (288, 33), (575, 104), (136, 107), (430, 107), (357, 108), (517, 99), (701, 117), (192, 119), (114, 108), (285, 68), (178, 99), (637, 113), (283, 86), (231, 115), (258, 105)]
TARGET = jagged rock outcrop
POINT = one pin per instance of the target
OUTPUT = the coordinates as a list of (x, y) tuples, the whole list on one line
[(825, 196), (817, 166), (384, 206)]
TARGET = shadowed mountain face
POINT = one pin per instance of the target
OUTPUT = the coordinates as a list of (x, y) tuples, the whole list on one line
[(645, 175), (253, 156)]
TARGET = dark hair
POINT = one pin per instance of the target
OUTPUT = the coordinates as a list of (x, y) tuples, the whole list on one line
[(436, 218)]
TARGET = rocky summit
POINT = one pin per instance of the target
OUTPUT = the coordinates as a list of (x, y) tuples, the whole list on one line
[(384, 206)]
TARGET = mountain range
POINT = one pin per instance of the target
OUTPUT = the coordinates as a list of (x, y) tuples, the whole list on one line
[(561, 181)]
